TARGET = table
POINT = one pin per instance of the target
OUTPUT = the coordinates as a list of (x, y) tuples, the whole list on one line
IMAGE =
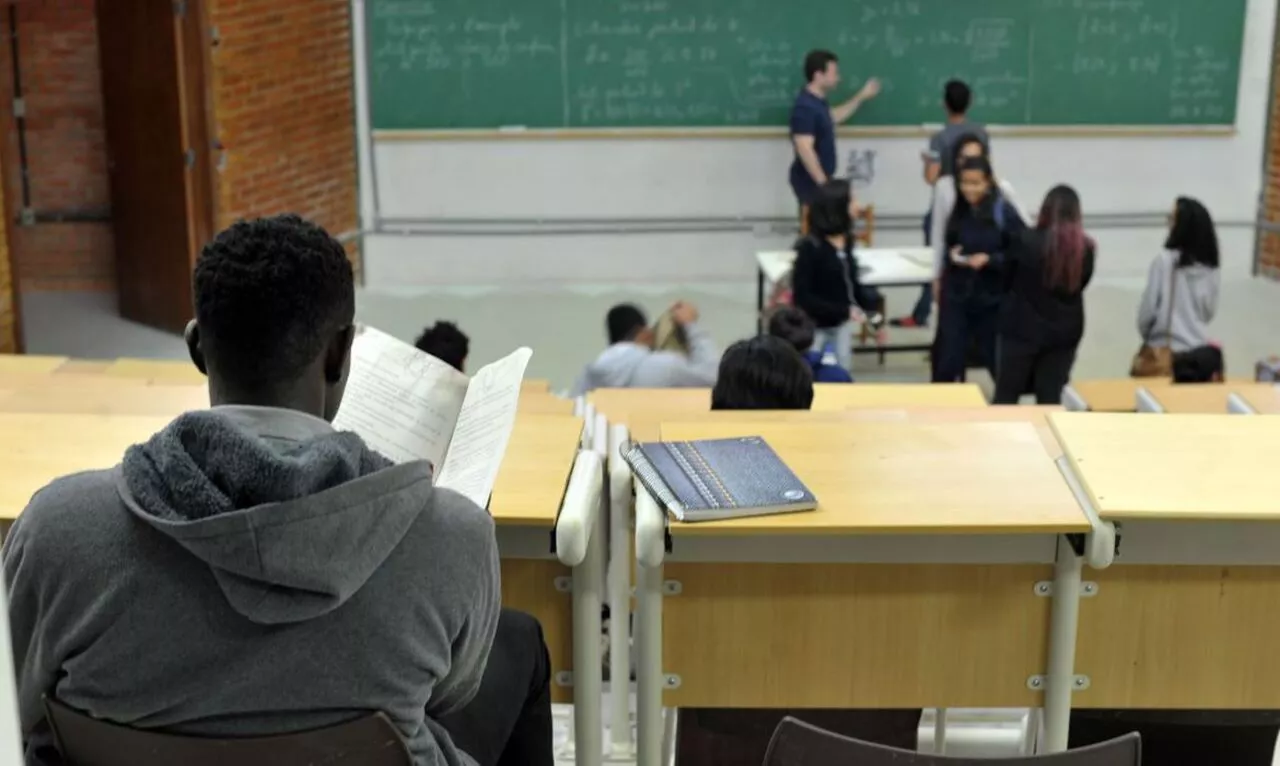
[(1263, 399), (1118, 395), (155, 370), (877, 267), (1198, 398), (963, 556), (102, 396), (1185, 619), (22, 363)]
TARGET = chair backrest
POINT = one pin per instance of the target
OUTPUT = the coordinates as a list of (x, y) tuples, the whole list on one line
[(85, 741), (796, 743)]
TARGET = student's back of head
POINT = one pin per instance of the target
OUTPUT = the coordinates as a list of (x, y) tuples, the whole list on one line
[(763, 373), (957, 96), (1199, 365), (830, 213), (1192, 234), (794, 326), (625, 322), (446, 342), (275, 302)]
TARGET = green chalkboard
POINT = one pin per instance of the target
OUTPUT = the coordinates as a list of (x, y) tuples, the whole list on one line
[(447, 64)]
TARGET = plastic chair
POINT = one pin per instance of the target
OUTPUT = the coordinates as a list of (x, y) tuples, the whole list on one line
[(85, 741), (796, 743)]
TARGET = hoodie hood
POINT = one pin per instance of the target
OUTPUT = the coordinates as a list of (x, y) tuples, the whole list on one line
[(616, 366), (291, 516)]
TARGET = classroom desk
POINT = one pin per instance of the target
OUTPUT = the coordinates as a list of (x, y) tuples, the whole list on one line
[(35, 449), (877, 267), (102, 396), (913, 593), (1118, 395), (1187, 615), (1262, 399), (155, 370), (618, 404), (1198, 398), (534, 402), (23, 363)]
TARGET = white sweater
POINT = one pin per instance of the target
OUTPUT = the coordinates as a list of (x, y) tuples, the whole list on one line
[(944, 201)]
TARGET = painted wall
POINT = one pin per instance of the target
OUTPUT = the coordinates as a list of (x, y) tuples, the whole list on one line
[(558, 181)]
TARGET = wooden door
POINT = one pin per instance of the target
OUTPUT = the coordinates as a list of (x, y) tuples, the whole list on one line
[(157, 146)]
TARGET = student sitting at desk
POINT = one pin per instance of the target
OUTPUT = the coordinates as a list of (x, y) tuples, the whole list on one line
[(250, 571), (1199, 365), (445, 342), (763, 373), (630, 361), (796, 328), (980, 231), (1042, 317)]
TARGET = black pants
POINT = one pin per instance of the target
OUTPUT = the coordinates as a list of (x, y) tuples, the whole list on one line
[(1180, 742), (509, 721), (1027, 367), (962, 320)]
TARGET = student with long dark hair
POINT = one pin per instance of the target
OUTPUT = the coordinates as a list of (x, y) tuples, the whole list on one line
[(1182, 288), (980, 231), (763, 373), (823, 279), (1042, 316)]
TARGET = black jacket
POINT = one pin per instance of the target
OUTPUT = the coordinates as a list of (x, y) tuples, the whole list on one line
[(822, 282), (1032, 311)]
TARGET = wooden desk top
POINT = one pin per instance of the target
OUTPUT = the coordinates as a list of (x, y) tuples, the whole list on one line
[(36, 449), (1217, 467), (619, 404), (907, 478), (531, 482), (22, 363), (105, 397), (1119, 395), (1264, 398), (543, 403), (1204, 398), (155, 370), (536, 385)]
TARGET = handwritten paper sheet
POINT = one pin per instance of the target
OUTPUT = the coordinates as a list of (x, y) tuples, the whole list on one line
[(484, 428), (402, 402)]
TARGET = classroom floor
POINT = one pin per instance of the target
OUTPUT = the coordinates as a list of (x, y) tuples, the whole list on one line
[(565, 327)]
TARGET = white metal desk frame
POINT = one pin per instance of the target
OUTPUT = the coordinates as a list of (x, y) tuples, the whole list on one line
[(1058, 683), (10, 740), (1149, 404)]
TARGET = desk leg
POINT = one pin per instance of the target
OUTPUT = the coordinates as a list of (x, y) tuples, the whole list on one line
[(1063, 619), (587, 686), (759, 301), (620, 500), (649, 679)]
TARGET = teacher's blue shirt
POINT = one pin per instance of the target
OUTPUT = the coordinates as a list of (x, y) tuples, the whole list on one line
[(811, 116)]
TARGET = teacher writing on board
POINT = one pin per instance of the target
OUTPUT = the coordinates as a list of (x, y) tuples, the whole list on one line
[(813, 126)]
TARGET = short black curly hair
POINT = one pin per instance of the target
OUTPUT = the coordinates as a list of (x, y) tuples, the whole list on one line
[(269, 294)]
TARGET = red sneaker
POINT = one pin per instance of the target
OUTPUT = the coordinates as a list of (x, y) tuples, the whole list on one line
[(907, 322)]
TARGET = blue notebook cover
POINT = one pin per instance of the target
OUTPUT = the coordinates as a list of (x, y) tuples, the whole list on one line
[(719, 479)]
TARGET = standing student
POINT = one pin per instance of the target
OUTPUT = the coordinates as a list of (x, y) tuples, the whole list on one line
[(251, 571), (1181, 297), (631, 360), (763, 373), (1042, 316), (813, 125), (980, 231), (945, 196), (795, 327), (939, 162), (823, 277)]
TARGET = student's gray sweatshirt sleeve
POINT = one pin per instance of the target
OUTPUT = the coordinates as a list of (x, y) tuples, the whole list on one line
[(1149, 306), (479, 590), (36, 651), (699, 368), (944, 201)]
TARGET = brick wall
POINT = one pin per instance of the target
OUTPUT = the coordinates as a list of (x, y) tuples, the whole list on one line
[(282, 97), (1269, 242), (67, 161), (8, 296)]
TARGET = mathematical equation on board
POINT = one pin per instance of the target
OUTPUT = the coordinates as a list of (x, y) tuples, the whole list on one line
[(697, 61)]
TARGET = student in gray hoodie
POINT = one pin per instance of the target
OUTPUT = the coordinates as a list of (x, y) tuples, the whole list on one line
[(630, 361), (252, 571), (1181, 298)]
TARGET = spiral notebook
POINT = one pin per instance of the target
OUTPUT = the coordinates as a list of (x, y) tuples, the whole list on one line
[(718, 479)]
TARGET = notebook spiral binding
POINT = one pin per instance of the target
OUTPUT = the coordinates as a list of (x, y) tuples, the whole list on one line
[(649, 477)]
